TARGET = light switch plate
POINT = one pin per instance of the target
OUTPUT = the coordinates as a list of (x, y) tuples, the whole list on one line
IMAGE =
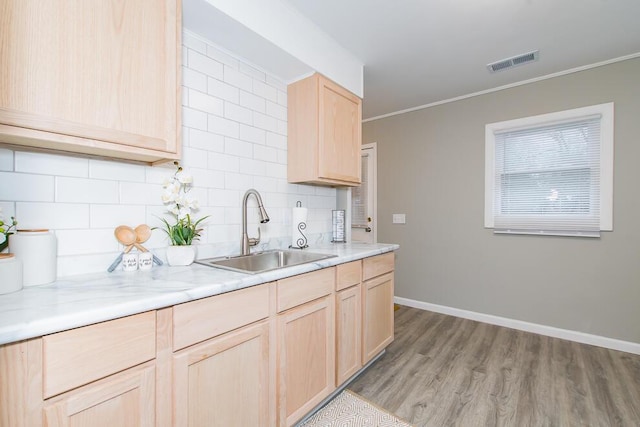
[(399, 219)]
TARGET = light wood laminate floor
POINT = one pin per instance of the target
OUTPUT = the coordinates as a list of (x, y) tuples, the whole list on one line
[(446, 371)]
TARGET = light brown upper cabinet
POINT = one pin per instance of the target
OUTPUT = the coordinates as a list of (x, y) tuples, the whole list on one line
[(324, 133), (97, 78)]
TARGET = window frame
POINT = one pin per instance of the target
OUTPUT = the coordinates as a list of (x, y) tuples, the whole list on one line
[(606, 113)]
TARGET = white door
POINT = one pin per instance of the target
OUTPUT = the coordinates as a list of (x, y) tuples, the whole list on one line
[(363, 199)]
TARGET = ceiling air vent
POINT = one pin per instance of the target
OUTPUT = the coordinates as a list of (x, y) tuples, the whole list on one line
[(503, 64)]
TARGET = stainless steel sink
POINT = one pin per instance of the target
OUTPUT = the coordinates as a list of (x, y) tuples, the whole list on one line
[(260, 262)]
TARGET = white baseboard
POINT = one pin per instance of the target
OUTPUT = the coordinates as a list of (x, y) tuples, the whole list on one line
[(581, 337)]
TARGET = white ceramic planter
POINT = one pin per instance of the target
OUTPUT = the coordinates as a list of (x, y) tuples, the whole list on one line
[(10, 274), (181, 255)]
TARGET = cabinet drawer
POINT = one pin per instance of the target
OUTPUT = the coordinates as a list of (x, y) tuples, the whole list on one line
[(200, 320), (348, 274), (297, 290), (377, 265), (80, 356)]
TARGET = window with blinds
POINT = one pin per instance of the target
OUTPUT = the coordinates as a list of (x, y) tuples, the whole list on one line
[(551, 174)]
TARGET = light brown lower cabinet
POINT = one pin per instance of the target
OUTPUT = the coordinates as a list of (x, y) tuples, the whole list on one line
[(126, 399), (306, 358), (260, 356), (224, 381), (348, 332), (377, 315)]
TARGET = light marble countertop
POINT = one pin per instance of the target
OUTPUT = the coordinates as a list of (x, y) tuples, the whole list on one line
[(77, 301)]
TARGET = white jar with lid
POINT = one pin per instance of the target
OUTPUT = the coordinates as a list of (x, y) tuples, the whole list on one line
[(11, 274), (38, 251)]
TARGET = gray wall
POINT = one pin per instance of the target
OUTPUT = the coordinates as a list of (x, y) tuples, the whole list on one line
[(431, 167)]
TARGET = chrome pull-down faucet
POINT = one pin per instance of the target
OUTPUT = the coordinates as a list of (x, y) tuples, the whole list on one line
[(247, 241)]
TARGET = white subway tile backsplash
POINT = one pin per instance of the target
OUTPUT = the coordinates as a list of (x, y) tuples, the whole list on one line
[(253, 72), (111, 216), (237, 79), (252, 101), (276, 170), (58, 215), (237, 181), (205, 178), (51, 164), (223, 90), (253, 167), (252, 134), (238, 113), (236, 147), (205, 65), (225, 198), (277, 111), (194, 119), (103, 169), (223, 57), (223, 162), (265, 91), (133, 193), (282, 98), (282, 127), (194, 157), (276, 141), (26, 187), (88, 241), (276, 83), (267, 154), (192, 79), (82, 190), (7, 210), (6, 160), (282, 157), (206, 140), (266, 185), (207, 103), (223, 126), (265, 122)]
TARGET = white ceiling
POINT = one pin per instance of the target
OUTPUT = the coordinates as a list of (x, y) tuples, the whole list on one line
[(419, 52)]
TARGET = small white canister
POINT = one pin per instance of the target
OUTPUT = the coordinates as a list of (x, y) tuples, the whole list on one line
[(38, 251), (10, 274)]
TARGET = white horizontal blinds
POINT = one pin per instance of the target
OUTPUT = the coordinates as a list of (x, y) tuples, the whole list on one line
[(359, 200), (547, 179)]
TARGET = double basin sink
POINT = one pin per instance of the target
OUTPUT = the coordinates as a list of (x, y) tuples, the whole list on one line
[(261, 262)]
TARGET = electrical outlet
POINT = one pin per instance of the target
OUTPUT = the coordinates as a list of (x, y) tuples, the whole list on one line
[(399, 219)]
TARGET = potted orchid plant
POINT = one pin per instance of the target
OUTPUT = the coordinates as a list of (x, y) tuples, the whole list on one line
[(180, 206), (6, 229)]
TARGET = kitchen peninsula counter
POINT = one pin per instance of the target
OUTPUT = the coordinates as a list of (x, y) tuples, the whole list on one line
[(82, 300)]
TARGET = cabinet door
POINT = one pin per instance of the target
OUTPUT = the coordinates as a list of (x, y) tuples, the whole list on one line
[(96, 77), (125, 400), (306, 358), (224, 381), (377, 316), (348, 333), (340, 134)]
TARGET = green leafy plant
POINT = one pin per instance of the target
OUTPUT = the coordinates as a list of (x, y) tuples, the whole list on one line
[(180, 205), (6, 229)]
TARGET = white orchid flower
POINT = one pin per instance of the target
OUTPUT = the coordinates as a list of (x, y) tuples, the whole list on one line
[(184, 178)]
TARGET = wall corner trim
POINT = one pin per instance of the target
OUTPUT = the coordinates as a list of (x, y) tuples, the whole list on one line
[(550, 331)]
